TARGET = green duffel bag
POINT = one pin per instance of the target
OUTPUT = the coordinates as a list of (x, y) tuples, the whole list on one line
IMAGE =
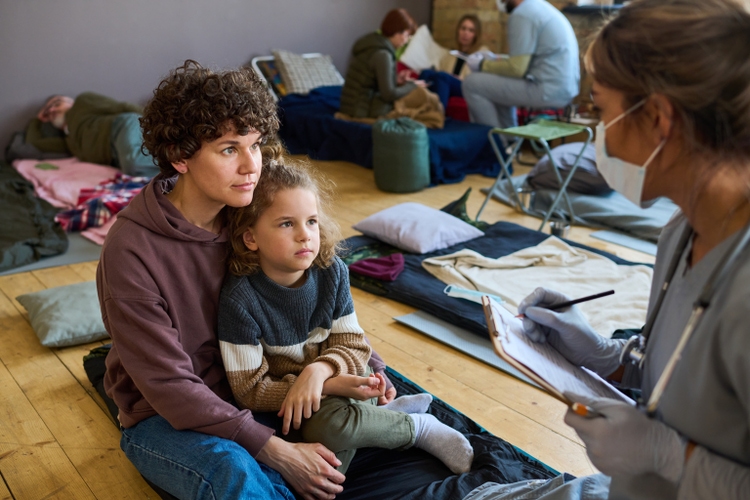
[(400, 155)]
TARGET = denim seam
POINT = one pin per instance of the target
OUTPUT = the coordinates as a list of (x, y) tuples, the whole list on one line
[(177, 464)]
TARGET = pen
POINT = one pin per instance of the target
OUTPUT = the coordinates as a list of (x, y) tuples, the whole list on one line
[(584, 411), (563, 305)]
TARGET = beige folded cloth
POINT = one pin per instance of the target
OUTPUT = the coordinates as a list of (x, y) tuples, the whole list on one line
[(420, 105)]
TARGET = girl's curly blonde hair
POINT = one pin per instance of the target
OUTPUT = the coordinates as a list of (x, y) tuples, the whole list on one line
[(277, 175)]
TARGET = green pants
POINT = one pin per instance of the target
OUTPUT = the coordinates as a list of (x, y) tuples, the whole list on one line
[(342, 425)]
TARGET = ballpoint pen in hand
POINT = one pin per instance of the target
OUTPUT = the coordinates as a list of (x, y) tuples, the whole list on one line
[(563, 305)]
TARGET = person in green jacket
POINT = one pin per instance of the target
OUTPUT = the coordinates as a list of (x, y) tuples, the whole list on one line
[(372, 83), (93, 128)]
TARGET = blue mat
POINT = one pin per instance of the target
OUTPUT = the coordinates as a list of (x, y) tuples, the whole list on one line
[(460, 339), (625, 241), (79, 250)]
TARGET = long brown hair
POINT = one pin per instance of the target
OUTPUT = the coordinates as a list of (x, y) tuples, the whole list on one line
[(477, 32)]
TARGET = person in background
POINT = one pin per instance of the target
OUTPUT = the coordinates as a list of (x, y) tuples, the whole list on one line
[(671, 79), (95, 129), (372, 83), (541, 69), (445, 79)]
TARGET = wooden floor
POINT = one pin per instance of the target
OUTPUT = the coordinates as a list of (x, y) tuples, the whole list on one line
[(57, 440)]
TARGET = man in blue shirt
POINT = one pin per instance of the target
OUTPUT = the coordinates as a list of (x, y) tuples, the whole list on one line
[(541, 69)]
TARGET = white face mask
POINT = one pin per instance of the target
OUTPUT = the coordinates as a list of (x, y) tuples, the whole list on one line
[(625, 178)]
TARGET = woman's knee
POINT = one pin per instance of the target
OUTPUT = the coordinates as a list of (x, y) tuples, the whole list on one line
[(189, 464)]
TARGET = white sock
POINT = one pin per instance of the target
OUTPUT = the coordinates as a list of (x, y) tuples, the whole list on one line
[(414, 403), (447, 444)]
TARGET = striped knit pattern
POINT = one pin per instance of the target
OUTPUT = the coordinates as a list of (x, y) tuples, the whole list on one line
[(269, 333)]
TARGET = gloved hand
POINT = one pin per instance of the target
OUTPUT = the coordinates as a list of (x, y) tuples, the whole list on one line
[(474, 61), (624, 441), (569, 332)]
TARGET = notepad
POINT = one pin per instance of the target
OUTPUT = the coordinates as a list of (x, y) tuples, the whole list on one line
[(541, 362), (487, 55)]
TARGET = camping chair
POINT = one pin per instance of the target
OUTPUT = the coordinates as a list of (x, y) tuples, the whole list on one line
[(541, 132)]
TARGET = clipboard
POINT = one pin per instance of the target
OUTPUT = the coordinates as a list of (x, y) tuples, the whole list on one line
[(542, 363)]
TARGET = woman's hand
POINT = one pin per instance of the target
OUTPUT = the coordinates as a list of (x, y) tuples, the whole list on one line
[(307, 467), (624, 441), (303, 399), (355, 387), (569, 332), (404, 76)]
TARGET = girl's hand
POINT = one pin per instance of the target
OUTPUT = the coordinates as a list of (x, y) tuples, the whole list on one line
[(303, 399), (389, 396), (355, 387)]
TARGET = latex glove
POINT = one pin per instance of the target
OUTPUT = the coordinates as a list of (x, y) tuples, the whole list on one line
[(474, 61), (489, 55), (569, 332), (624, 441)]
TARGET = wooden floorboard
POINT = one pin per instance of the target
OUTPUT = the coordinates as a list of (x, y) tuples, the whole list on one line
[(57, 439)]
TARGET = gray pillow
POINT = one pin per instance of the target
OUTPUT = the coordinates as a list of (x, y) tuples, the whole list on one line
[(66, 315), (586, 179)]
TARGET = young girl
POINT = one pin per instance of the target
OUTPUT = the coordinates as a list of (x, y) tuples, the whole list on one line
[(289, 335)]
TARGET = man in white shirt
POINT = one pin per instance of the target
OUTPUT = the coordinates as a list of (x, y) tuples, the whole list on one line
[(542, 69)]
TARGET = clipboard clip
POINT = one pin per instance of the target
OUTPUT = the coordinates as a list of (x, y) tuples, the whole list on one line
[(504, 329)]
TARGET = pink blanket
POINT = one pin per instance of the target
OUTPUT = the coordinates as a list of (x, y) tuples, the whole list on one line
[(60, 181)]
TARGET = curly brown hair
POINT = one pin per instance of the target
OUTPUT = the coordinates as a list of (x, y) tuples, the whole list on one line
[(194, 105), (280, 174)]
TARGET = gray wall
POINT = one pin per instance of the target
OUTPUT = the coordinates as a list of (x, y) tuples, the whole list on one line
[(122, 48)]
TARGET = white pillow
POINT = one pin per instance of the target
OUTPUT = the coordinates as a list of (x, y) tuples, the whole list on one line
[(302, 74), (423, 52), (417, 228)]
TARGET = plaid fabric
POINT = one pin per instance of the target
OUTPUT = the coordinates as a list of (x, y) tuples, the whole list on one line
[(302, 74), (98, 204)]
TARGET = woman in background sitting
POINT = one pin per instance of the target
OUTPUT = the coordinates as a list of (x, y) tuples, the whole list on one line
[(468, 38), (445, 80), (372, 84)]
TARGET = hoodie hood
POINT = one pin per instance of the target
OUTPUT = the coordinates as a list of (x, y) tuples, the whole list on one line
[(371, 43), (152, 210)]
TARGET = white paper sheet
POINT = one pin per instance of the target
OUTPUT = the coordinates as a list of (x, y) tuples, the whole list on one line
[(546, 362)]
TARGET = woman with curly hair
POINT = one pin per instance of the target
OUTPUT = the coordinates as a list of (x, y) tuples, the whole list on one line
[(159, 278)]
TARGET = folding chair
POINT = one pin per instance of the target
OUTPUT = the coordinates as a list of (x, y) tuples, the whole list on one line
[(542, 132)]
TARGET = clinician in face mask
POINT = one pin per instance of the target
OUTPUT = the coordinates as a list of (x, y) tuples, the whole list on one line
[(622, 176), (671, 79)]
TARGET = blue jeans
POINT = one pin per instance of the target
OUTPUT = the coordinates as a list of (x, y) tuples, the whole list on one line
[(126, 142), (443, 84), (194, 465)]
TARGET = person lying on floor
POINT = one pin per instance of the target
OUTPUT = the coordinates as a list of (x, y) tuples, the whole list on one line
[(95, 129)]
